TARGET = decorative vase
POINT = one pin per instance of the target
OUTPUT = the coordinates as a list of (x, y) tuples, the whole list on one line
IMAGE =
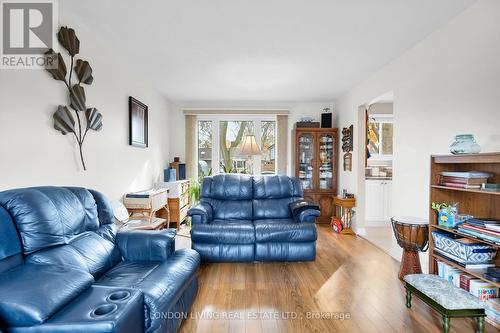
[(464, 144), (446, 218)]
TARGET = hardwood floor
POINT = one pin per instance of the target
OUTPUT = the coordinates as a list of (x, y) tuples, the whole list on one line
[(351, 287)]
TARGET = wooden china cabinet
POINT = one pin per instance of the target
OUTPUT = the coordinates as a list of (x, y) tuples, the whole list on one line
[(316, 166)]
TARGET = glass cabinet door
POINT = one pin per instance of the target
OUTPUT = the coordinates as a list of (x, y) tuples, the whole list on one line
[(306, 159), (326, 161)]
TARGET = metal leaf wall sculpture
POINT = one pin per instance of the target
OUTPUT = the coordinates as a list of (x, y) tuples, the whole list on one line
[(58, 73), (86, 118), (77, 98), (83, 72), (94, 119), (64, 121)]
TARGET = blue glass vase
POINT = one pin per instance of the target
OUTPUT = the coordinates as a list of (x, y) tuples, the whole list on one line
[(464, 144)]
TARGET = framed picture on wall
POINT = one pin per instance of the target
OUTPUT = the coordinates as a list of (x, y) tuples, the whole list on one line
[(138, 123)]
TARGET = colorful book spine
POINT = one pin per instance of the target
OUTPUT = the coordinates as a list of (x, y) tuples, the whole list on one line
[(465, 280), (458, 180), (483, 290), (441, 268), (458, 185), (479, 235), (482, 230)]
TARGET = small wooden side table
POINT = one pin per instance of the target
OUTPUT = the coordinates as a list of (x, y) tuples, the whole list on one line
[(343, 209), (146, 203)]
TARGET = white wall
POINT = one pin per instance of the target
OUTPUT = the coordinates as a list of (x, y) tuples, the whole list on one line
[(447, 84), (297, 110), (33, 153)]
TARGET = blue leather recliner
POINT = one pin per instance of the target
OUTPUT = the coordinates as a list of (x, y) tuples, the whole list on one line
[(65, 268), (244, 218)]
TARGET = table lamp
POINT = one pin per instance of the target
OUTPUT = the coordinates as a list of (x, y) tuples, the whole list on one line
[(250, 148)]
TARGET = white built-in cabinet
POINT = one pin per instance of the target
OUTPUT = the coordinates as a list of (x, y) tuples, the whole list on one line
[(378, 209)]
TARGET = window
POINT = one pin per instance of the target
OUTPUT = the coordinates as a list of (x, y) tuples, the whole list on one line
[(268, 140), (220, 142), (204, 148), (380, 134), (231, 134)]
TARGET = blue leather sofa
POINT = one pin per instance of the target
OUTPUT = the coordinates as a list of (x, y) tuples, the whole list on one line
[(65, 268), (243, 218)]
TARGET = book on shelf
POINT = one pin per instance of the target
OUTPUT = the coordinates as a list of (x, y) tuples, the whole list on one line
[(459, 185), (484, 230), (490, 187), (440, 268), (479, 235), (458, 180), (495, 227), (493, 309), (483, 222), (483, 290), (466, 175), (465, 280)]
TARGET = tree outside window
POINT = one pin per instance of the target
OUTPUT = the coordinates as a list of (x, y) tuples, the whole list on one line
[(219, 146), (204, 148), (231, 134)]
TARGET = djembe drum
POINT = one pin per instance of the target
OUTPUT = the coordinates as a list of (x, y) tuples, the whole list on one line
[(412, 234)]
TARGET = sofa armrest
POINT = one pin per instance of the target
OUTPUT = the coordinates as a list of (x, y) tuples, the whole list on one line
[(304, 211), (146, 245), (201, 213)]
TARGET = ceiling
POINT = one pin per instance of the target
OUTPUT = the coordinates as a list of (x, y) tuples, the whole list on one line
[(261, 50)]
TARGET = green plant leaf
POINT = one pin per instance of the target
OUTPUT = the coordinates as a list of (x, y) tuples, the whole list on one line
[(68, 40), (58, 71), (84, 71), (77, 98), (94, 119), (63, 120)]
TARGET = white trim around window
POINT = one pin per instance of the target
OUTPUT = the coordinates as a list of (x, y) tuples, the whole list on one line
[(217, 118)]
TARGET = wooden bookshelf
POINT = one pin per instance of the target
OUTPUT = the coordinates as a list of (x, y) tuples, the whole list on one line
[(478, 203), (456, 232), (475, 273), (441, 187)]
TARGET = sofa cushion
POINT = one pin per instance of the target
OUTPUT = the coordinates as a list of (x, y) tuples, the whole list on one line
[(224, 232), (284, 230), (231, 209), (48, 216), (291, 251), (227, 187), (272, 208), (87, 251), (276, 187), (162, 282), (55, 287), (210, 252), (10, 246)]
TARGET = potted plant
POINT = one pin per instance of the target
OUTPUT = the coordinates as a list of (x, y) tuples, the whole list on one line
[(195, 189), (446, 213)]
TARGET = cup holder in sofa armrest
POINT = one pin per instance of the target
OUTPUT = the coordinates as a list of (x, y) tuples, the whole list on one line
[(119, 296), (104, 310)]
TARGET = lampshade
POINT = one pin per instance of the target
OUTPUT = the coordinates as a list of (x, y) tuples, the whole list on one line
[(249, 146)]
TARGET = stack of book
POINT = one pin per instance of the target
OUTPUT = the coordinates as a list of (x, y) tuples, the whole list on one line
[(493, 309), (488, 230), (468, 180), (477, 287)]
